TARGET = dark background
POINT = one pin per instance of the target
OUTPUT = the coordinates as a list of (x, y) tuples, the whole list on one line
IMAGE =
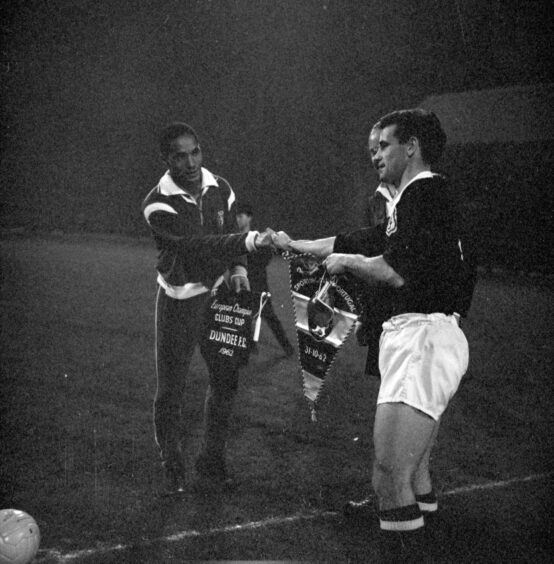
[(283, 95)]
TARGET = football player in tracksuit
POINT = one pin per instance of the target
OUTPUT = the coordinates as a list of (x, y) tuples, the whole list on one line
[(191, 213), (423, 354)]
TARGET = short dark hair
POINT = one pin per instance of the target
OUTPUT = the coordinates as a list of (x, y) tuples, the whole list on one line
[(244, 208), (173, 131), (419, 123)]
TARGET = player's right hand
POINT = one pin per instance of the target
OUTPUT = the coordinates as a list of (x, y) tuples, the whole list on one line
[(265, 239)]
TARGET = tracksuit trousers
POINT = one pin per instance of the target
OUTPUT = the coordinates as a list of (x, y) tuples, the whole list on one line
[(179, 326)]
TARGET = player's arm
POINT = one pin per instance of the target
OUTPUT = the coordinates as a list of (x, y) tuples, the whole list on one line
[(165, 221), (227, 247), (373, 270), (318, 247), (368, 241)]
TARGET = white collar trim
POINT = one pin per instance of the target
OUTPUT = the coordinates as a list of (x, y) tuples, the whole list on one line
[(384, 191), (424, 174), (419, 176), (169, 188)]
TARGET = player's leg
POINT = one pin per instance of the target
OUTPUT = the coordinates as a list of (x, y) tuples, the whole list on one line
[(401, 437), (175, 342), (268, 313), (446, 359), (218, 407), (422, 484), (422, 360)]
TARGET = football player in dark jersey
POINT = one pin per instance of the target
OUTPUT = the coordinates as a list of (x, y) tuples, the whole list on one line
[(418, 256)]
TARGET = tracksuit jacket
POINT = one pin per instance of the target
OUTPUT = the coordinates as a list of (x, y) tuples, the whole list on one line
[(197, 241)]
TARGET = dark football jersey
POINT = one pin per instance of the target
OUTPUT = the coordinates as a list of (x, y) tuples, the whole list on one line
[(422, 241), (424, 245)]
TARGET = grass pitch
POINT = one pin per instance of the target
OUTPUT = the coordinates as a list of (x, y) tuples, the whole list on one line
[(77, 440)]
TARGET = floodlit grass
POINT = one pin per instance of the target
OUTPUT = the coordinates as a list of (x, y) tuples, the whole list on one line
[(77, 443)]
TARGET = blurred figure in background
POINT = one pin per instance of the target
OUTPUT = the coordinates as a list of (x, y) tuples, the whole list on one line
[(374, 298), (379, 201), (257, 276)]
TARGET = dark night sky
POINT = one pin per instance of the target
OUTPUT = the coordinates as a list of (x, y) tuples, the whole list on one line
[(282, 93)]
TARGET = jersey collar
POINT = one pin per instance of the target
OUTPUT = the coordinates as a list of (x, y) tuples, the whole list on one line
[(384, 191), (424, 174), (394, 201), (169, 188), (419, 176)]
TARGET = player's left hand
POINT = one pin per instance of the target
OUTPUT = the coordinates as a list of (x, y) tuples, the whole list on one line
[(240, 283), (335, 263), (239, 279), (281, 241)]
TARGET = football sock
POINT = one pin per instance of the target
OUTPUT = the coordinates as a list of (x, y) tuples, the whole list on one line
[(407, 518), (427, 502)]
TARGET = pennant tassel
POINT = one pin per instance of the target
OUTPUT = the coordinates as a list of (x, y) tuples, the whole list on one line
[(257, 328), (264, 297)]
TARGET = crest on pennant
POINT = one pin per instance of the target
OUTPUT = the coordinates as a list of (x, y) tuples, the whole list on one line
[(326, 312)]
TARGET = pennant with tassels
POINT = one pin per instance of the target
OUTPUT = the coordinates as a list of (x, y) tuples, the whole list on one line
[(326, 312)]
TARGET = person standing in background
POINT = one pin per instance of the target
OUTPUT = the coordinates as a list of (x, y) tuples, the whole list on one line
[(257, 276), (374, 299)]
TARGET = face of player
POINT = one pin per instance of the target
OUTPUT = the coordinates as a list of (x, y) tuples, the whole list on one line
[(243, 221), (373, 144), (391, 158), (185, 161)]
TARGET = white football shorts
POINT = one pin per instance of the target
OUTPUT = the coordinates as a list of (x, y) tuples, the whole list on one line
[(422, 359)]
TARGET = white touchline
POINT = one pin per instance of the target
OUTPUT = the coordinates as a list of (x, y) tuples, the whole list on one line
[(56, 554), (499, 484)]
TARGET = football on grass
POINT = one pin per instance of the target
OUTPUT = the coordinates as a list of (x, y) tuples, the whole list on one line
[(19, 537)]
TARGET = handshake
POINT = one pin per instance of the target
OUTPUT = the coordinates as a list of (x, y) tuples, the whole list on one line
[(278, 241), (321, 249)]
